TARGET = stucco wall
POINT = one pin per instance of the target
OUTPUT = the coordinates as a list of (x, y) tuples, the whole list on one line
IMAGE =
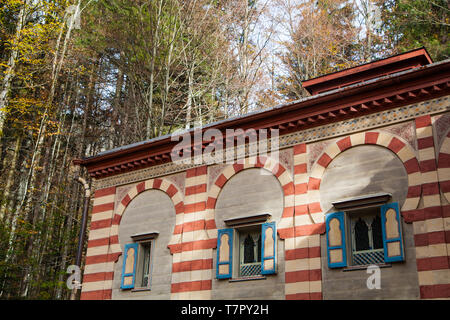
[(359, 171), (150, 211), (248, 193)]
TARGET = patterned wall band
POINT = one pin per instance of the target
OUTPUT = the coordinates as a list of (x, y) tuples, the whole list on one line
[(431, 226), (394, 143)]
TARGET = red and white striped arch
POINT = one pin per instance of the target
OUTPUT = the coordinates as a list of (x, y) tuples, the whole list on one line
[(394, 143), (158, 184), (444, 167), (103, 244), (278, 170)]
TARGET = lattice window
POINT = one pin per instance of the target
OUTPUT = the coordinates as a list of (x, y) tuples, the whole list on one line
[(249, 252), (367, 239)]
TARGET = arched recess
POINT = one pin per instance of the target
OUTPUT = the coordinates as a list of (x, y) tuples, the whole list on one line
[(271, 165), (444, 167), (159, 184), (394, 143)]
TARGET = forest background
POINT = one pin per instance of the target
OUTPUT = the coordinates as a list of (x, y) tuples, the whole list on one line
[(82, 76)]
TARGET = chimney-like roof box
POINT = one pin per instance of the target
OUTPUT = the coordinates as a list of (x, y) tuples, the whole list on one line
[(404, 61)]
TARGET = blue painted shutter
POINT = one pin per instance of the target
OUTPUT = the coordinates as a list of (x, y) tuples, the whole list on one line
[(335, 227), (268, 248), (392, 233), (224, 264), (127, 281)]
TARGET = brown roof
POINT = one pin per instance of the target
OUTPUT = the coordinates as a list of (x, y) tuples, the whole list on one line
[(388, 91)]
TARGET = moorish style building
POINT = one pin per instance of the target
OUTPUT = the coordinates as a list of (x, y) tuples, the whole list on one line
[(361, 178)]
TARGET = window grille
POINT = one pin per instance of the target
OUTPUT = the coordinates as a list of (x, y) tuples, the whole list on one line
[(250, 253), (367, 239)]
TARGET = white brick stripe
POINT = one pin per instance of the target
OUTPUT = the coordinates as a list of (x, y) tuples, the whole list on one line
[(97, 285), (102, 215), (357, 139), (426, 154), (406, 153), (434, 277), (99, 267), (95, 251), (192, 295), (424, 132), (195, 275), (444, 173), (148, 184), (194, 181), (302, 264), (192, 255), (433, 250), (105, 199), (303, 287), (99, 234)]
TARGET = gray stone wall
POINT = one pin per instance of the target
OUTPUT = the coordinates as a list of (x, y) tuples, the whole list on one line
[(249, 193), (150, 211), (399, 281), (355, 172), (363, 170)]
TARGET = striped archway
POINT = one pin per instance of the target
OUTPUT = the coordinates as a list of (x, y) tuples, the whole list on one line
[(271, 165), (444, 167), (394, 143), (157, 184), (103, 245)]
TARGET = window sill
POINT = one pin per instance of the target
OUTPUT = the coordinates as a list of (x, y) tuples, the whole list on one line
[(364, 267), (140, 289), (247, 278)]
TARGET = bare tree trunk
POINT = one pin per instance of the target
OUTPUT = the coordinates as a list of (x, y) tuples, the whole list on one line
[(189, 97), (115, 109), (150, 132), (88, 107), (10, 70), (10, 179)]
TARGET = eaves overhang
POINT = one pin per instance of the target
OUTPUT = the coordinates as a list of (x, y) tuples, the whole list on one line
[(375, 95)]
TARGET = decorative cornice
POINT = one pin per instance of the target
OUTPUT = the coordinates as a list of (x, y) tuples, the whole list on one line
[(365, 98), (333, 130)]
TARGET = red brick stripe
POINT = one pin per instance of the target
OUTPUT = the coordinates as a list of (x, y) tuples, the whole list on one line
[(433, 263), (98, 242), (96, 295), (396, 145), (193, 245), (195, 207), (201, 264), (344, 144), (100, 258), (189, 226), (424, 143), (371, 137), (100, 224), (99, 276), (104, 192), (103, 207), (191, 286), (423, 121), (435, 291), (195, 189), (310, 229), (302, 253)]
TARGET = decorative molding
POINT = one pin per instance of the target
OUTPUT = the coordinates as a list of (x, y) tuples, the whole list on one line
[(241, 221), (145, 236), (371, 121), (362, 201), (442, 126)]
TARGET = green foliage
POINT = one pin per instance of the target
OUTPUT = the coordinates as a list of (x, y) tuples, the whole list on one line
[(411, 24)]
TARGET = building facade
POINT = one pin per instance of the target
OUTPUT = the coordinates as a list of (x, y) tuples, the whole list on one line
[(361, 177)]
